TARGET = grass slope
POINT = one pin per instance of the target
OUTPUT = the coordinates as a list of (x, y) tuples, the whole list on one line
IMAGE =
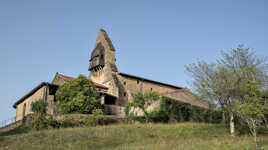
[(184, 136)]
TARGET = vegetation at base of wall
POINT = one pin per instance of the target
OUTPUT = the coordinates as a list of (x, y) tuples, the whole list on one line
[(78, 96), (184, 136), (85, 121), (142, 102), (174, 111), (40, 120), (46, 122), (72, 120), (39, 107)]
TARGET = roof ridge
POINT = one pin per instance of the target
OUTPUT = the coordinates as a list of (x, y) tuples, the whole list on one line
[(68, 77), (31, 92), (178, 90), (63, 75), (142, 78)]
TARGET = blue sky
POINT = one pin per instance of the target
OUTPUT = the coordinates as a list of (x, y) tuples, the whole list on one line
[(153, 39)]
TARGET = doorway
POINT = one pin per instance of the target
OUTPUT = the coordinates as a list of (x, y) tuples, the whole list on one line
[(24, 110)]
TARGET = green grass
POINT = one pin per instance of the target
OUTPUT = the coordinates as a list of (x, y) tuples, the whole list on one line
[(182, 136)]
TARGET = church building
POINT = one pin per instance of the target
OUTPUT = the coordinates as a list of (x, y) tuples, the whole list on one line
[(115, 88)]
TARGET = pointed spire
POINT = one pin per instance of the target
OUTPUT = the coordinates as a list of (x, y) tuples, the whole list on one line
[(104, 38)]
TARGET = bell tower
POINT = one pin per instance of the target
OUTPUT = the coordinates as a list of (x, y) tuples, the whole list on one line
[(102, 60)]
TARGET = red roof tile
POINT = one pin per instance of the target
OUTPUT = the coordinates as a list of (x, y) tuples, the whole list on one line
[(64, 77)]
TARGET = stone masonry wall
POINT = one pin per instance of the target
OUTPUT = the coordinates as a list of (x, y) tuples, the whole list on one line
[(39, 94), (130, 86), (58, 81), (187, 97)]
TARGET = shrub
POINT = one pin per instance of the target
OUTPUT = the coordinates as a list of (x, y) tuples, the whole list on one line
[(78, 96), (39, 107), (174, 111), (39, 122), (76, 120), (142, 102)]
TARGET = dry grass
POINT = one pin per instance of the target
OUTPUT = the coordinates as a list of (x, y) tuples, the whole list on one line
[(183, 136)]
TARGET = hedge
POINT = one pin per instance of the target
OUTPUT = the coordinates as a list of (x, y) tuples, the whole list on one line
[(170, 110)]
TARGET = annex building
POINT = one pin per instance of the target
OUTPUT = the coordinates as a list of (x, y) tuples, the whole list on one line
[(115, 88)]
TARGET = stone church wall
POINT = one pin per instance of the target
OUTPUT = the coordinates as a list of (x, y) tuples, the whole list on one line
[(187, 97), (130, 86), (58, 81), (39, 94)]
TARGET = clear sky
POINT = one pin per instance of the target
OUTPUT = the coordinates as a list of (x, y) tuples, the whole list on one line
[(153, 39)]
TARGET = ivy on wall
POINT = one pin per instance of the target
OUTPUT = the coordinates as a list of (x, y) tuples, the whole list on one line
[(170, 110)]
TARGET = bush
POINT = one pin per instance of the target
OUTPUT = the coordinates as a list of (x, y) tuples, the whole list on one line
[(79, 120), (142, 102), (174, 111), (39, 107), (40, 122), (78, 96)]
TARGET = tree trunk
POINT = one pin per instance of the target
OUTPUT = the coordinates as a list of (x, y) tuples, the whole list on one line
[(223, 116), (232, 129), (255, 139), (146, 116), (254, 133)]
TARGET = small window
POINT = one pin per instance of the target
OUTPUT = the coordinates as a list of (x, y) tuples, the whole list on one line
[(125, 82), (102, 57), (151, 89), (125, 94), (138, 81)]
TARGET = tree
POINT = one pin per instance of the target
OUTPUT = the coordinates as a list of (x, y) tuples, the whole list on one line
[(243, 66), (253, 108), (78, 96), (143, 101), (39, 107), (224, 81), (210, 82), (264, 95)]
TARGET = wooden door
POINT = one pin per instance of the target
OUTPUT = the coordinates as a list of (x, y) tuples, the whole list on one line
[(24, 109)]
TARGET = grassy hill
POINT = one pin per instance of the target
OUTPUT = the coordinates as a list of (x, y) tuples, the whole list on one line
[(184, 136)]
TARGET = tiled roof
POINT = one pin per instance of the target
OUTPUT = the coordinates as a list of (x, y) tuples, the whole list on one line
[(66, 78), (33, 91), (148, 80), (100, 85)]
